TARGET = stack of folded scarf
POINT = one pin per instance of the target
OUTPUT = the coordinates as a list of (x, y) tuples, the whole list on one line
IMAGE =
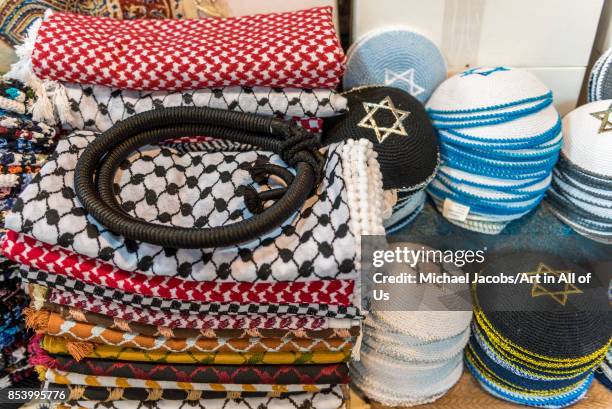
[(272, 320), (24, 146), (263, 70), (600, 78), (409, 356), (537, 343), (581, 192), (500, 139), (404, 139)]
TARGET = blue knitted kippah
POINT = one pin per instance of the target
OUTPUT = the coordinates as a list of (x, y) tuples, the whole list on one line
[(396, 57)]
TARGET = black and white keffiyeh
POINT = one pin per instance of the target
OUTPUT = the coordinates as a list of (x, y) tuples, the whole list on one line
[(203, 189), (97, 108)]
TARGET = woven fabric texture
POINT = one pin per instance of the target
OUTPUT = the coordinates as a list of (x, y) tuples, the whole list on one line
[(295, 49), (164, 186)]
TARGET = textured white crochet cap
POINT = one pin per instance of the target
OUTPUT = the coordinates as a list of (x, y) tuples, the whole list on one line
[(473, 91), (390, 383), (522, 128), (587, 137), (437, 322)]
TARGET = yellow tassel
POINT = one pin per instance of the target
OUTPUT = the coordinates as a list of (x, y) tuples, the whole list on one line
[(208, 333), (76, 392), (165, 332), (42, 372), (37, 320), (115, 394), (79, 349), (253, 333), (123, 325), (194, 395), (154, 394), (343, 333), (77, 314), (38, 294)]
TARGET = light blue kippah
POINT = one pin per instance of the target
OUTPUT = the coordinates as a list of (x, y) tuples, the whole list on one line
[(396, 57)]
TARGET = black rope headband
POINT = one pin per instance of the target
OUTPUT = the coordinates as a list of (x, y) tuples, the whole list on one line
[(96, 168)]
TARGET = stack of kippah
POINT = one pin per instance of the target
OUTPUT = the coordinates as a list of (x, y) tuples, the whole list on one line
[(581, 193), (398, 126), (537, 344), (409, 356), (396, 57), (600, 79), (500, 138)]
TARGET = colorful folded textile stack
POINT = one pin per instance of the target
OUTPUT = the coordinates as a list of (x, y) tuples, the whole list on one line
[(104, 297), (500, 139), (24, 146), (538, 343), (270, 318), (398, 126), (408, 356), (581, 192), (395, 57), (600, 78)]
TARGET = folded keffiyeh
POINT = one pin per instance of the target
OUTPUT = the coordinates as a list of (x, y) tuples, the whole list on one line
[(97, 108), (169, 320), (53, 324), (334, 398), (78, 350), (161, 185), (249, 374), (100, 320), (175, 306), (296, 49), (54, 259)]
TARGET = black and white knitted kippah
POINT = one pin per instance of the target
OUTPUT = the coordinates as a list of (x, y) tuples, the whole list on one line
[(400, 130)]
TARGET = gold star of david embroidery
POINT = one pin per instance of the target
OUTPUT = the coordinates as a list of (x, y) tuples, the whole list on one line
[(381, 132), (561, 297), (604, 117)]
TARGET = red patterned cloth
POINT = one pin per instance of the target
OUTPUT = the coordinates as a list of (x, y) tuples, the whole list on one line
[(28, 251), (193, 321), (297, 49)]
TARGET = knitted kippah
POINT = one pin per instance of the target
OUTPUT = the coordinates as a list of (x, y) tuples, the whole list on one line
[(488, 87), (600, 78), (396, 57), (400, 130), (581, 191), (587, 134), (500, 138), (557, 320)]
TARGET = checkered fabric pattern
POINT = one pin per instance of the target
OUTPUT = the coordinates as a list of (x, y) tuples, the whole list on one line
[(97, 108), (161, 186), (297, 49)]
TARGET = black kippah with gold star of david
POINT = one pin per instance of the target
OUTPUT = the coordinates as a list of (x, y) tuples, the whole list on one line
[(398, 126), (548, 312)]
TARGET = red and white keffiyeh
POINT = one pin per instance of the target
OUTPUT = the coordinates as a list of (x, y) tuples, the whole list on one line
[(29, 252), (296, 49)]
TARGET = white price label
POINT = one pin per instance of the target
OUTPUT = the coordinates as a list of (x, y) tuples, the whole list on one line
[(455, 211)]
